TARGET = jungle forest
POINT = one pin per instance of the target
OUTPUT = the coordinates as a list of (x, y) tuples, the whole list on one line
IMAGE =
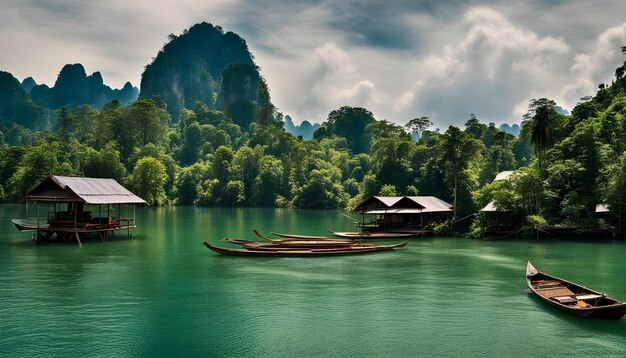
[(223, 143)]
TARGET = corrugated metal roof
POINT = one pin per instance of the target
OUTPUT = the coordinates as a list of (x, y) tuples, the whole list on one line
[(431, 203), (492, 208), (602, 208), (96, 190), (388, 200), (428, 204), (503, 175)]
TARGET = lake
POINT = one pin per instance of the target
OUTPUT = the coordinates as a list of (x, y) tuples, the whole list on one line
[(162, 293)]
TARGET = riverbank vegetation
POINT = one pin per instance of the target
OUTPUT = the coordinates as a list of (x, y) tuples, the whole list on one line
[(565, 164)]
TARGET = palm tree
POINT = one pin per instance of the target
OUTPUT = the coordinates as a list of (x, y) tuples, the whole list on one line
[(540, 118)]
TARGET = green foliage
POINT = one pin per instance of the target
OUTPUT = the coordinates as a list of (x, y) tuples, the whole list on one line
[(388, 190), (37, 162), (148, 180), (457, 150), (268, 182), (105, 163), (233, 194), (418, 125), (350, 123), (186, 182), (242, 156), (321, 191)]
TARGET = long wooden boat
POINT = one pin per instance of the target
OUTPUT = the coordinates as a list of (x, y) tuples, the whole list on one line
[(293, 239), (292, 243), (301, 237), (371, 235), (571, 297), (23, 225), (350, 250)]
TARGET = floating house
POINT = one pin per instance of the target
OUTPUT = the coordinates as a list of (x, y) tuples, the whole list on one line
[(401, 213), (79, 206)]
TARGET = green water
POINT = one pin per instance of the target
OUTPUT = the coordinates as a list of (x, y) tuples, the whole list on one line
[(162, 293)]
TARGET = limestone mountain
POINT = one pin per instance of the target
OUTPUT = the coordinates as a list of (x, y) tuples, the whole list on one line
[(305, 129), (74, 88), (17, 107), (28, 84), (514, 129), (206, 64)]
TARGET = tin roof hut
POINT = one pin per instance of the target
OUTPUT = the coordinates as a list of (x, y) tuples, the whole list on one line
[(69, 196), (401, 213)]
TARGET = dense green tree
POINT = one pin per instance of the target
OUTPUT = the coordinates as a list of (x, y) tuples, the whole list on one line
[(233, 194), (391, 161), (36, 163), (385, 129), (187, 182), (192, 144), (268, 182), (474, 128), (246, 165), (148, 180), (418, 125), (540, 119), (388, 190), (350, 123), (148, 122), (321, 191), (105, 163), (458, 149), (222, 159)]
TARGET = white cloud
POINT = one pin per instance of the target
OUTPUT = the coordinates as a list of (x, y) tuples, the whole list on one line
[(594, 68), (489, 72), (440, 59)]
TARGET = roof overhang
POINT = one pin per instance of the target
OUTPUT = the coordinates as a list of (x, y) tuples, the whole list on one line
[(95, 191)]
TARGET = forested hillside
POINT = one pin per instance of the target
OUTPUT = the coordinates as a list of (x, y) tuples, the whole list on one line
[(228, 147)]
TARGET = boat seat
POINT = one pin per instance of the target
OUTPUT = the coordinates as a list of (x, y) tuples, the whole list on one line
[(548, 285), (564, 299), (591, 296)]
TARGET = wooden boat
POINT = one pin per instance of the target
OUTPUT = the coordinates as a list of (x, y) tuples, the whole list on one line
[(280, 247), (571, 297), (349, 250), (371, 235), (330, 241), (292, 243), (23, 225), (302, 237)]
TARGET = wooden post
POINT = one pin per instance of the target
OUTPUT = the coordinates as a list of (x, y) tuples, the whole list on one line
[(80, 244)]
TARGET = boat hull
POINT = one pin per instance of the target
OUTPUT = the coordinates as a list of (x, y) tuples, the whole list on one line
[(298, 252), (566, 295), (616, 311)]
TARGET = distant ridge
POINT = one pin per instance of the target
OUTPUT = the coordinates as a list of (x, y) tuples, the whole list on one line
[(514, 129), (305, 129), (74, 88)]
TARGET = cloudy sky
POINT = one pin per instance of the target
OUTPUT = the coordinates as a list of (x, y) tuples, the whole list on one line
[(399, 59)]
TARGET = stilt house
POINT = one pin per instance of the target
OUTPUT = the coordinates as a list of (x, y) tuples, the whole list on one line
[(80, 206)]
